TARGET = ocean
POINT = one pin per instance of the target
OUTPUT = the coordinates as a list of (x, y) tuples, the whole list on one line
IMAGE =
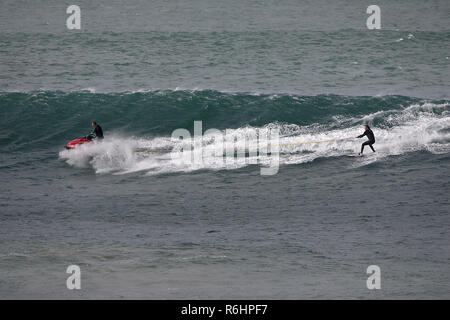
[(140, 226)]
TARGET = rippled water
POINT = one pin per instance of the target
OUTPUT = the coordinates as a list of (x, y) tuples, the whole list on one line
[(141, 227)]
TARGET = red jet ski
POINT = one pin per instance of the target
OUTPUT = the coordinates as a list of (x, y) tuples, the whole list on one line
[(77, 142)]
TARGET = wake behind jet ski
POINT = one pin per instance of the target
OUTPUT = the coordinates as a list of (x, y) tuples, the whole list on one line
[(97, 133)]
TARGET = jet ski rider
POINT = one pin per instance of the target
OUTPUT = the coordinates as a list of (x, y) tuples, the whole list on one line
[(97, 132)]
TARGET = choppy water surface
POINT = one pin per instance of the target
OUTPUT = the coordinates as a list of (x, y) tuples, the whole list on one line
[(141, 227)]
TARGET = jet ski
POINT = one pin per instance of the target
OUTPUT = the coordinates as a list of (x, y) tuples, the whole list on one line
[(77, 142)]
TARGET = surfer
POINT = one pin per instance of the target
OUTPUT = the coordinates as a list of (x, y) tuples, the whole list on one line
[(369, 133), (97, 132)]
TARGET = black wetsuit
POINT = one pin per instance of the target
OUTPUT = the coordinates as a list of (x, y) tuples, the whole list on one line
[(370, 142), (96, 133)]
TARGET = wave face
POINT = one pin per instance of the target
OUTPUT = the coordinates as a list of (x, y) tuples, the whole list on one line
[(47, 120)]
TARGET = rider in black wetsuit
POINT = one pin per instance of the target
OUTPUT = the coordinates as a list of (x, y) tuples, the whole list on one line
[(96, 133), (369, 133)]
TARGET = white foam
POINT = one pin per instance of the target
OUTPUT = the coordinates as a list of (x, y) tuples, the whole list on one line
[(416, 127)]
